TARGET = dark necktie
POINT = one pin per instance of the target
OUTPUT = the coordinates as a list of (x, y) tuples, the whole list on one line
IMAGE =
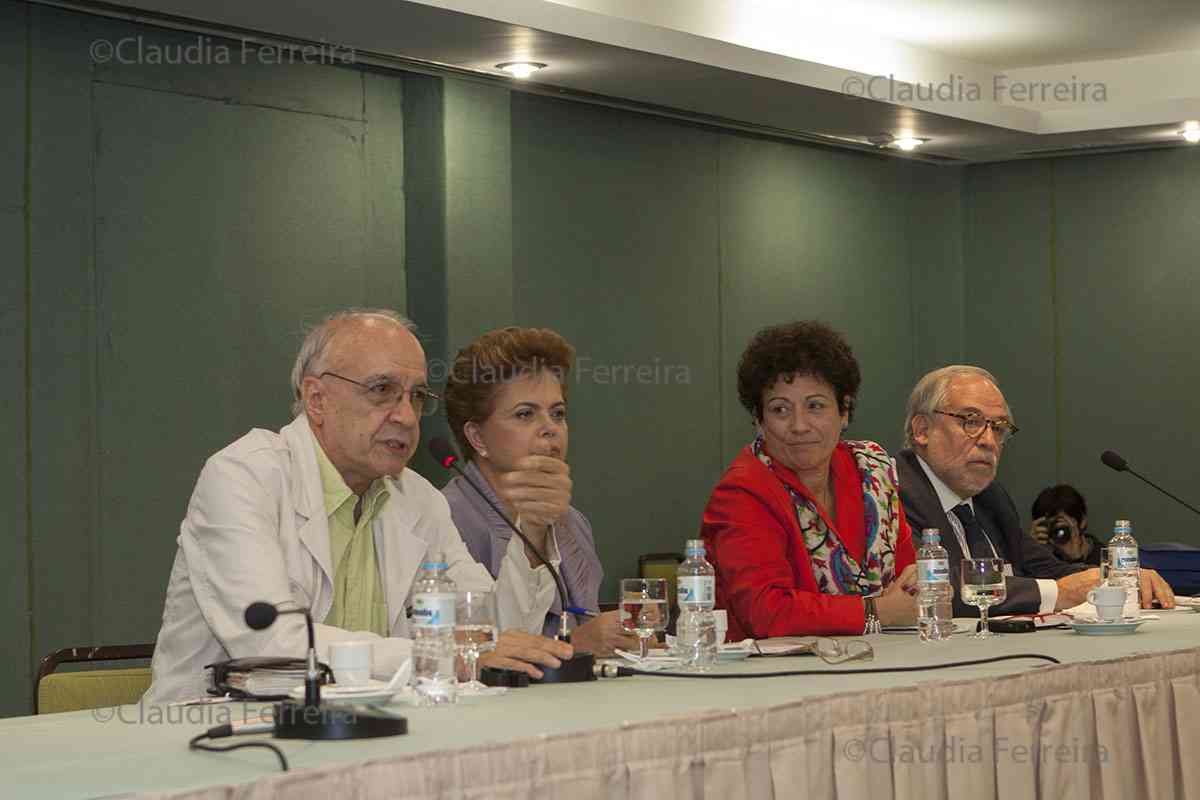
[(977, 540)]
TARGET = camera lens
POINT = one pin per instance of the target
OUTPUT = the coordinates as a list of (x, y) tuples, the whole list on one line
[(1060, 534)]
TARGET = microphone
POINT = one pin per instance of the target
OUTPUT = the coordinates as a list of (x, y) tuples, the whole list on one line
[(260, 616), (310, 721), (580, 666), (1114, 461)]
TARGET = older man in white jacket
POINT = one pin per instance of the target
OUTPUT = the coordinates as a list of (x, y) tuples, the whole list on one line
[(271, 519)]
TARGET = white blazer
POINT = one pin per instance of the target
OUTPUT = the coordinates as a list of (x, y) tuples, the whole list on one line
[(256, 529)]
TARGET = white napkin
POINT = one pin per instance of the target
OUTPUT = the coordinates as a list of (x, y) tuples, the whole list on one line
[(652, 661)]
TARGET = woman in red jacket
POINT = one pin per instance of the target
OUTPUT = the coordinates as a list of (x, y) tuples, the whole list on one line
[(805, 530)]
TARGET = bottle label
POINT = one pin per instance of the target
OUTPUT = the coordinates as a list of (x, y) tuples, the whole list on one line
[(433, 610), (1123, 557), (696, 589), (933, 570)]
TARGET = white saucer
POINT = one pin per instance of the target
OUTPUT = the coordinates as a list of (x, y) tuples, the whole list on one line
[(730, 654), (373, 692), (1097, 628)]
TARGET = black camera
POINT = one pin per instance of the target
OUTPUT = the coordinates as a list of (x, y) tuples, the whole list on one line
[(1060, 533)]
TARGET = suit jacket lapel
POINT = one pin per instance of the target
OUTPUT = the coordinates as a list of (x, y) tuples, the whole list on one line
[(399, 550), (308, 498)]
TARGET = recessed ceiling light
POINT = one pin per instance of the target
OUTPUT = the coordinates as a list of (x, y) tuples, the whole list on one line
[(520, 69), (907, 142)]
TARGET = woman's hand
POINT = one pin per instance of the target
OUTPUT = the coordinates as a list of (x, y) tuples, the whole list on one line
[(898, 605), (603, 634), (537, 489)]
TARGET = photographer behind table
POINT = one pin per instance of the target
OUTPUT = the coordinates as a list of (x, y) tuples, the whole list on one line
[(1060, 522)]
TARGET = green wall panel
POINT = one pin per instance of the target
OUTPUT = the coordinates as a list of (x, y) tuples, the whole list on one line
[(425, 241), (186, 227), (814, 234), (14, 555), (202, 299), (65, 470), (1009, 302), (934, 204), (479, 216), (615, 225), (220, 69), (1128, 287)]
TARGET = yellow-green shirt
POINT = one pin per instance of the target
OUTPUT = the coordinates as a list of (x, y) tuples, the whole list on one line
[(359, 603)]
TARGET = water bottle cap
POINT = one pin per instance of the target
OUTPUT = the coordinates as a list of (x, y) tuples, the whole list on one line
[(931, 536), (694, 545), (1123, 523), (432, 565)]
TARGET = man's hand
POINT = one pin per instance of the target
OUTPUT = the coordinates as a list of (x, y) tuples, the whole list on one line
[(896, 606), (603, 634), (1153, 587), (1073, 589), (1039, 531), (522, 651), (538, 489)]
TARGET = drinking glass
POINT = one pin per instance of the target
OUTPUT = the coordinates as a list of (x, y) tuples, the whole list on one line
[(645, 608), (983, 586), (474, 630)]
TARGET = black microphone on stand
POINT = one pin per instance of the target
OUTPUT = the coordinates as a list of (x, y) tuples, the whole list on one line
[(311, 720), (581, 666), (1114, 461), (260, 616)]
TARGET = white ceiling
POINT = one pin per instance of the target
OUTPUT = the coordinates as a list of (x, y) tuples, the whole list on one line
[(794, 67)]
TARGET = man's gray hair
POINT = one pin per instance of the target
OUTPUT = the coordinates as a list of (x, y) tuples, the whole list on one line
[(930, 393), (314, 351)]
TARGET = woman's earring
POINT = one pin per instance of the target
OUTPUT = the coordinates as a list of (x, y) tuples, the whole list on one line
[(483, 453)]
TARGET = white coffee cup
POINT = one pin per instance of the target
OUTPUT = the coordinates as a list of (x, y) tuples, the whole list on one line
[(1109, 602), (722, 624), (350, 662)]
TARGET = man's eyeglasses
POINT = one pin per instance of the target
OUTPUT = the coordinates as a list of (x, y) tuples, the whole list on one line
[(973, 425), (386, 393)]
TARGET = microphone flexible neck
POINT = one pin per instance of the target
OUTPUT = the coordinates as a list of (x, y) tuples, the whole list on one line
[(560, 587)]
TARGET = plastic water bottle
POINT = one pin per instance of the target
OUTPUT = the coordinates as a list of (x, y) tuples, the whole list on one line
[(934, 593), (1123, 562), (696, 632), (433, 634)]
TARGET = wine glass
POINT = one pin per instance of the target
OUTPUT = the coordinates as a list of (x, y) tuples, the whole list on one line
[(644, 608), (474, 631), (983, 586)]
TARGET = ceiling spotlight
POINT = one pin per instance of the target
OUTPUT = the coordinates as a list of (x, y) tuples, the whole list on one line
[(906, 143), (520, 69), (1191, 132)]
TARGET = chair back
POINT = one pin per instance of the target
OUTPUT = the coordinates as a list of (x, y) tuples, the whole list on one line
[(93, 688), (661, 565)]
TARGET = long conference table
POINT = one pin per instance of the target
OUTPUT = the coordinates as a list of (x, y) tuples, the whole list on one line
[(1119, 718)]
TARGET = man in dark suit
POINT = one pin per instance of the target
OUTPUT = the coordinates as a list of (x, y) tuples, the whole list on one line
[(956, 428)]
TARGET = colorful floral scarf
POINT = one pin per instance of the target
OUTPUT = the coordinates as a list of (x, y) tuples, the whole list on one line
[(836, 571)]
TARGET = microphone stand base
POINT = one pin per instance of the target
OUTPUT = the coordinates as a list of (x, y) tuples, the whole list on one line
[(299, 721), (577, 669)]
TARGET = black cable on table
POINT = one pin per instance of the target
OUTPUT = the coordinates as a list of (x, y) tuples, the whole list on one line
[(195, 744), (868, 671)]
